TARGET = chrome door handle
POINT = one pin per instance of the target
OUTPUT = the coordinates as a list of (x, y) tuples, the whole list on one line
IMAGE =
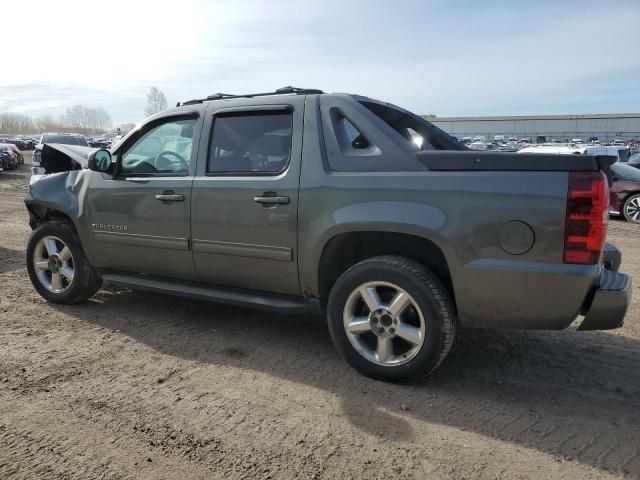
[(170, 197), (271, 200)]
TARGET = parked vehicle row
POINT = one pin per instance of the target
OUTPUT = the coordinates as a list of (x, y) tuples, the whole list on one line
[(624, 192), (20, 143)]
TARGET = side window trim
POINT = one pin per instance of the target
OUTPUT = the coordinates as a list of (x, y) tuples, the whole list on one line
[(394, 155), (249, 111), (133, 139)]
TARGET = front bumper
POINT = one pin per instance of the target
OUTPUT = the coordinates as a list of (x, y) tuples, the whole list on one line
[(610, 302)]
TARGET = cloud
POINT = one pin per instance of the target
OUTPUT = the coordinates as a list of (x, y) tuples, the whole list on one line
[(433, 56)]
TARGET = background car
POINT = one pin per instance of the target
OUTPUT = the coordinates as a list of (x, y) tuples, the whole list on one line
[(102, 143), (625, 192), (18, 154), (9, 157), (18, 142), (634, 160)]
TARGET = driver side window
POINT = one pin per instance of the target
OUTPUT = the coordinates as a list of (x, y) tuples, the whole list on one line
[(163, 150)]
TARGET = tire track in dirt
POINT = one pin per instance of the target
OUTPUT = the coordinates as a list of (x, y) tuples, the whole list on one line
[(205, 391)]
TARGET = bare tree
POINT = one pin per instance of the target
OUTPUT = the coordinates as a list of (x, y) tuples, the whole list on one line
[(87, 120), (46, 123), (103, 119), (15, 123), (156, 101), (78, 119)]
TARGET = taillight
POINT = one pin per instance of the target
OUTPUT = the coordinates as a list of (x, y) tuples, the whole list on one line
[(587, 216)]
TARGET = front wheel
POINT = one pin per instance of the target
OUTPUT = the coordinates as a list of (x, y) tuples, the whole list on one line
[(57, 265), (391, 319), (631, 209)]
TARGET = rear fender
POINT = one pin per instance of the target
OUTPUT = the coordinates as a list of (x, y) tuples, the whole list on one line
[(416, 219)]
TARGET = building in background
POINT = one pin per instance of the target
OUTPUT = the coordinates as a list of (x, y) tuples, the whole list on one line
[(606, 127)]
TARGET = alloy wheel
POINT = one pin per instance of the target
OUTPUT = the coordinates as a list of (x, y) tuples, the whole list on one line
[(633, 210), (53, 264), (384, 323)]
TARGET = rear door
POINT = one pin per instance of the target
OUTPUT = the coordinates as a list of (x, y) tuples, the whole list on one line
[(244, 210)]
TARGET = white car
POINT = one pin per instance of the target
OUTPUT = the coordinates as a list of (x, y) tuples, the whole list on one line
[(615, 151), (477, 146)]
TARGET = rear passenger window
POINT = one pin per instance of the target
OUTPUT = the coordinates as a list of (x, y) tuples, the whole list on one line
[(417, 139), (351, 140), (246, 143), (419, 134)]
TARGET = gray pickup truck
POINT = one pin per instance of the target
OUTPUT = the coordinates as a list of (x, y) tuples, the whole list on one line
[(300, 201)]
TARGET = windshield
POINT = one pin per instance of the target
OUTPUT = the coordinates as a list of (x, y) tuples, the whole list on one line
[(625, 172), (65, 139)]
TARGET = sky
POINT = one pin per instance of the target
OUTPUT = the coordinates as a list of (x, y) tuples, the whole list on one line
[(441, 57)]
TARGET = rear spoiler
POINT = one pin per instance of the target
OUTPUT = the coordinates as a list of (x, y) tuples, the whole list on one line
[(447, 160)]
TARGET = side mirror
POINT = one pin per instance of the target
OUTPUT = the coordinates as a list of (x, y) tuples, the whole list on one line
[(100, 161)]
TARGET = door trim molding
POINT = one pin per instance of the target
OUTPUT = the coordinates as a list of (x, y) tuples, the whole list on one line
[(267, 252), (152, 241)]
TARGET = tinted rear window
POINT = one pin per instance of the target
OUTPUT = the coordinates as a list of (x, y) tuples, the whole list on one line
[(251, 143), (65, 139)]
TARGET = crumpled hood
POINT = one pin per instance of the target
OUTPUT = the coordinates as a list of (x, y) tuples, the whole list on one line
[(56, 155)]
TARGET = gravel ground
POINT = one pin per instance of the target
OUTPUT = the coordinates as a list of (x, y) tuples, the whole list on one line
[(139, 386)]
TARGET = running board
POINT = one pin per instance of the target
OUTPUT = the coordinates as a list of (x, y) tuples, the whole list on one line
[(230, 296)]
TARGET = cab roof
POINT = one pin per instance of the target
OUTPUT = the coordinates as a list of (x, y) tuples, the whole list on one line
[(280, 91)]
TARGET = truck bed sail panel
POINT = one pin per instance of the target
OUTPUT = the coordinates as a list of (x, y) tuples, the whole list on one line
[(489, 161)]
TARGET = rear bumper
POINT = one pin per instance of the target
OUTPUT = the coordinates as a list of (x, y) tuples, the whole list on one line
[(543, 296), (609, 303)]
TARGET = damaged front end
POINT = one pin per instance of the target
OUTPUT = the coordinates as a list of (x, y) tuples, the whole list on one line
[(56, 157), (57, 183)]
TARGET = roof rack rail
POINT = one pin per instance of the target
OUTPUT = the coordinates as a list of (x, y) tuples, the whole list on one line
[(280, 91), (218, 96)]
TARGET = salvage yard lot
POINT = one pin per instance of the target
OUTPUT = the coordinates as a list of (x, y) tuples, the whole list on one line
[(135, 385)]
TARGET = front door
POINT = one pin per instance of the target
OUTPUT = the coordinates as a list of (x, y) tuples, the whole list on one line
[(244, 210), (140, 218)]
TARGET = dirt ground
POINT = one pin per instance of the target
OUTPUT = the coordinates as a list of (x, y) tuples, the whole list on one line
[(141, 386)]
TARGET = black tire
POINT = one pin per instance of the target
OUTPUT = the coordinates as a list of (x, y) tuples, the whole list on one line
[(430, 295), (632, 205), (86, 281)]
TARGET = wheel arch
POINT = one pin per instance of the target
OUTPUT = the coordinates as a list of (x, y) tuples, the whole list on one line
[(345, 249), (39, 214)]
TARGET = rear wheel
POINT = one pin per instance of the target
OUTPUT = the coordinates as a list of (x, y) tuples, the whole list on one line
[(391, 319), (631, 209), (58, 268)]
